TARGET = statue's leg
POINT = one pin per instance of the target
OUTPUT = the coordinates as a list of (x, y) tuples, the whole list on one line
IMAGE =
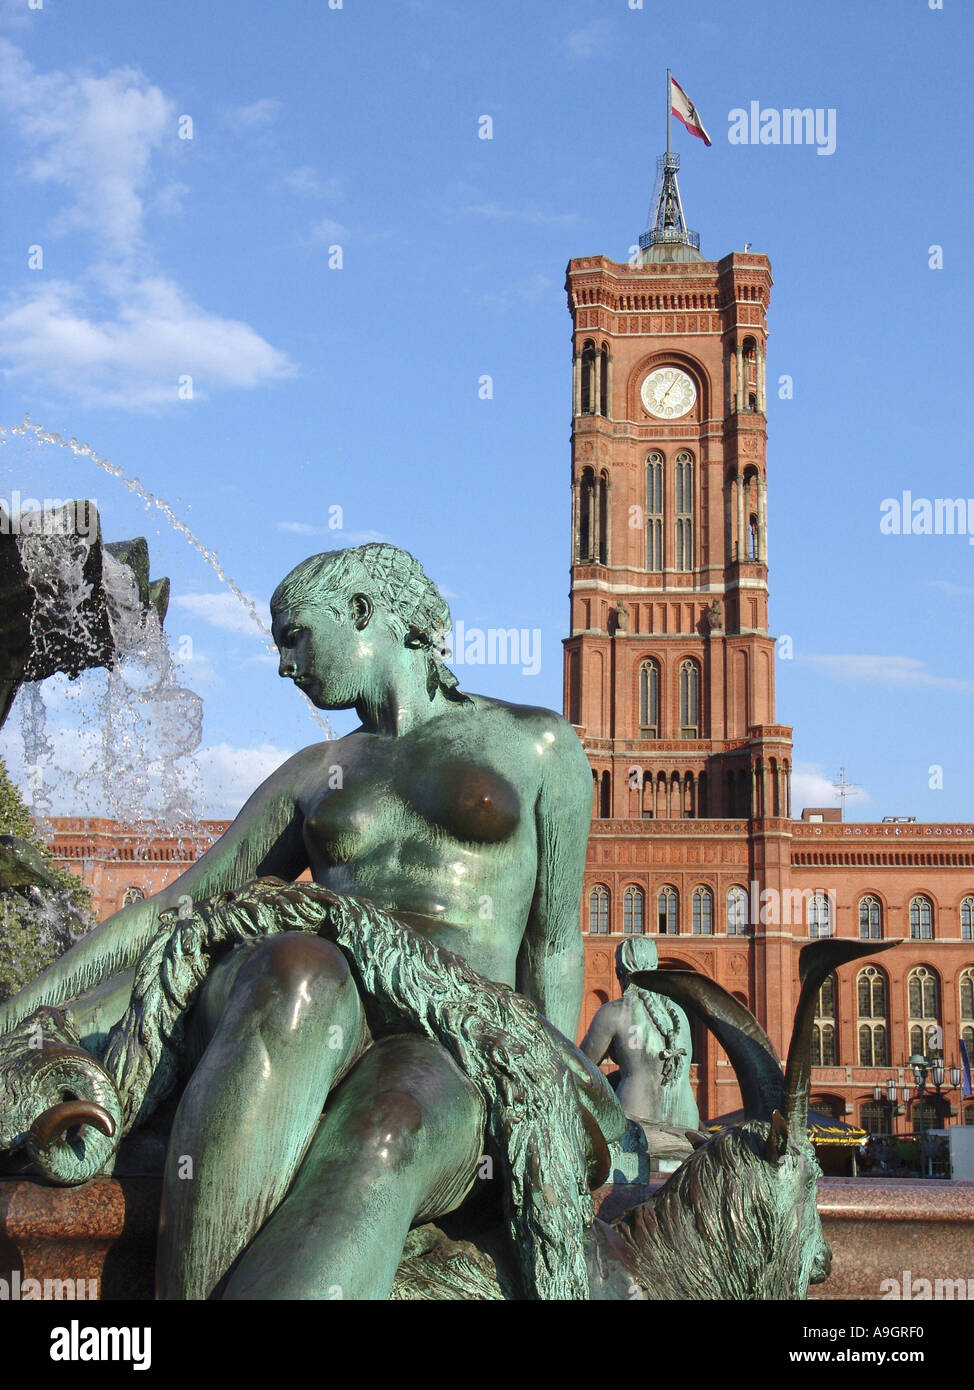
[(399, 1144), (282, 1021)]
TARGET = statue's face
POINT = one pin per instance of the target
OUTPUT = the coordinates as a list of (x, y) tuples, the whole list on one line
[(323, 654)]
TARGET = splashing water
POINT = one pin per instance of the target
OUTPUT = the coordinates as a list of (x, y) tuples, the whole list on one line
[(133, 755), (56, 925), (43, 436)]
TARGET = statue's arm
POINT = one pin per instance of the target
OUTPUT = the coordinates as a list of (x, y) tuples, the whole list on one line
[(598, 1040), (265, 839), (551, 963)]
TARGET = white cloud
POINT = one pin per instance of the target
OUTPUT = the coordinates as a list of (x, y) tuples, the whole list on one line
[(955, 590), (14, 14), (884, 670), (811, 787), (224, 610), (589, 41), (344, 538), (255, 116), (533, 289), (339, 539), (121, 333), (328, 230), (134, 350), (169, 199), (230, 774), (307, 182), (93, 137)]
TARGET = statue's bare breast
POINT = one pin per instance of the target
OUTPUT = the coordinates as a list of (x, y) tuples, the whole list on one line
[(434, 829)]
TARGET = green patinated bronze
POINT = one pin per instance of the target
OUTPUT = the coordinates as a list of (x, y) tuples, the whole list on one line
[(648, 1038), (351, 1057)]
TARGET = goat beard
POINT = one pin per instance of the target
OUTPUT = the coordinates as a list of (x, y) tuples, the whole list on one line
[(729, 1224)]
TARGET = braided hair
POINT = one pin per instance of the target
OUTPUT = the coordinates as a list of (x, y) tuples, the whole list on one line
[(637, 953), (411, 604)]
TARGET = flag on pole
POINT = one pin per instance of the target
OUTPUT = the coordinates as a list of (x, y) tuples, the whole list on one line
[(684, 110), (966, 1063)]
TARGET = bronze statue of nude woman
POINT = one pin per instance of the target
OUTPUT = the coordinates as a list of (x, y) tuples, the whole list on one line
[(464, 817)]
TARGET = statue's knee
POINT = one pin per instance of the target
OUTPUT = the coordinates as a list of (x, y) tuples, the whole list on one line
[(295, 966), (386, 1128), (415, 1095)]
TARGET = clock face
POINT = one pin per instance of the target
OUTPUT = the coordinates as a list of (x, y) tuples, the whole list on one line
[(668, 393)]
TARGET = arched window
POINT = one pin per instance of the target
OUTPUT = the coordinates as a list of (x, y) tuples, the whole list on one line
[(819, 915), (870, 918), (666, 910), (877, 1117), (605, 796), (967, 995), (684, 510), (923, 1007), (604, 381), (649, 699), (871, 1011), (689, 699), (703, 912), (602, 539), (598, 911), (968, 1035), (967, 919), (749, 383), (632, 911), (587, 514), (921, 918), (654, 512), (588, 378), (925, 1116), (737, 911), (824, 1050), (132, 895)]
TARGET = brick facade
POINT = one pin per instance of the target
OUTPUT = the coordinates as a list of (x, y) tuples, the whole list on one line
[(692, 786), (692, 799)]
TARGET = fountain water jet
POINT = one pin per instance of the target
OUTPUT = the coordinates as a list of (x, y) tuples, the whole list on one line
[(42, 436)]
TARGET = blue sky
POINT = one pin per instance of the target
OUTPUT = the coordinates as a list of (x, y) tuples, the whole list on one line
[(357, 387)]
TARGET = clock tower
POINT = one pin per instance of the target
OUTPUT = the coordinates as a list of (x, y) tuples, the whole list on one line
[(669, 665), (669, 669)]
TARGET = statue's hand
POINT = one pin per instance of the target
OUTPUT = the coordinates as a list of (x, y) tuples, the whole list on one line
[(56, 1101)]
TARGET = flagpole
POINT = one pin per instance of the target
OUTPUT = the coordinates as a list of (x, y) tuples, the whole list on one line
[(669, 103)]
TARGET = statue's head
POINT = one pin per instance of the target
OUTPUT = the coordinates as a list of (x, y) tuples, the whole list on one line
[(340, 615), (633, 954)]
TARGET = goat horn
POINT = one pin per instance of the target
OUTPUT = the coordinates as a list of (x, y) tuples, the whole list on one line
[(815, 964), (751, 1052), (54, 1121)]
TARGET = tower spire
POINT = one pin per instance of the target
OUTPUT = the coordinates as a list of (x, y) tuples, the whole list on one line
[(667, 237)]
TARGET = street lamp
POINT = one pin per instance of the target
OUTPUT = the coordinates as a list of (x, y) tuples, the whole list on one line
[(906, 1094), (890, 1094), (935, 1069)]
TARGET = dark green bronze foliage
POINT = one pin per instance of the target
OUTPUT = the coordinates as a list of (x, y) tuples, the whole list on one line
[(497, 1037), (346, 1053), (58, 1104), (739, 1219)]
